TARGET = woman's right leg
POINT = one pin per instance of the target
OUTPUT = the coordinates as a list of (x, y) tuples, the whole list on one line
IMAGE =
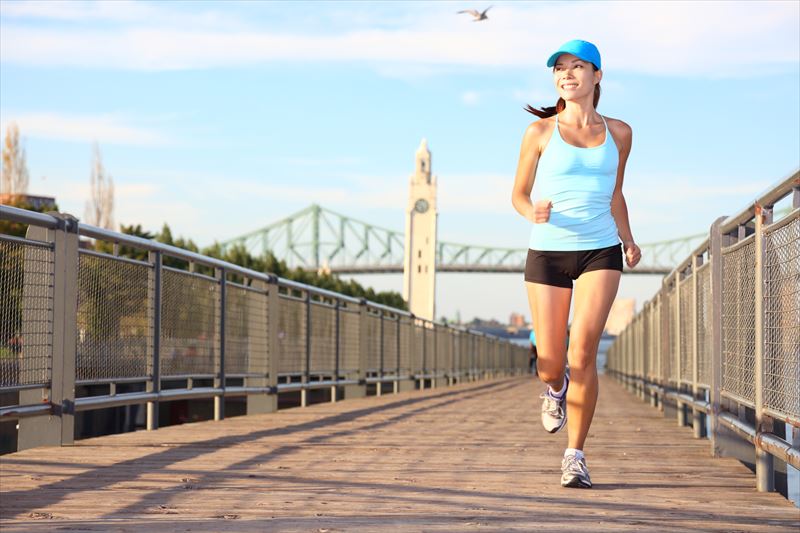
[(550, 314)]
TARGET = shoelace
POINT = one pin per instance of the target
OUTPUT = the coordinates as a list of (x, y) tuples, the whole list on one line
[(551, 405), (573, 465)]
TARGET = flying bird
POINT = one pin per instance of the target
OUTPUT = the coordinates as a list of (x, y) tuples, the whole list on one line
[(477, 16)]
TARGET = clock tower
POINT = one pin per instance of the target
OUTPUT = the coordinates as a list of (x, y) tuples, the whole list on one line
[(419, 263)]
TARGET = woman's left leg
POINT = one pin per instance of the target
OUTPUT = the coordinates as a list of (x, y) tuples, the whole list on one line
[(594, 294)]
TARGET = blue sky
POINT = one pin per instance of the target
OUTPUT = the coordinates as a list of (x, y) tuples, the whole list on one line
[(219, 118)]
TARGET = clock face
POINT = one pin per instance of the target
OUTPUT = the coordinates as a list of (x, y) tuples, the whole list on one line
[(421, 205)]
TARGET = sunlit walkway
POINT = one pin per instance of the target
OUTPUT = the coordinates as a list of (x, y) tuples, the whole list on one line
[(463, 458)]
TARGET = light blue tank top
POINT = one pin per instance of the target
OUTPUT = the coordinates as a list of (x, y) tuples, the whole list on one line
[(580, 182)]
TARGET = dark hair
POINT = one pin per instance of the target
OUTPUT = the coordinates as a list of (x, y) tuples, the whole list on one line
[(545, 112)]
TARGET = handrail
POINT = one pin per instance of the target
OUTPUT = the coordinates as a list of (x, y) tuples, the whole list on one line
[(239, 354), (773, 194), (725, 306)]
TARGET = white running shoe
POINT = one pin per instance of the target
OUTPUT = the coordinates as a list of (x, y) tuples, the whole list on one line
[(554, 410), (574, 473)]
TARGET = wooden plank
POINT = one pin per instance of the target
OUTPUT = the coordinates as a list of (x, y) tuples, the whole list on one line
[(468, 457)]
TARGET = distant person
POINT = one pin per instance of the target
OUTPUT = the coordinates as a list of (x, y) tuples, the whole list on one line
[(533, 354), (569, 186)]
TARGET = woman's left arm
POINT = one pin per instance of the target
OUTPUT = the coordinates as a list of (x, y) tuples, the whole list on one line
[(619, 209)]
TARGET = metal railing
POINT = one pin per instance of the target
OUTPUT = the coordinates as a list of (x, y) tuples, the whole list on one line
[(153, 314), (722, 336)]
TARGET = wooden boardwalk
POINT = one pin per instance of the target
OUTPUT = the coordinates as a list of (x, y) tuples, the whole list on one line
[(467, 458)]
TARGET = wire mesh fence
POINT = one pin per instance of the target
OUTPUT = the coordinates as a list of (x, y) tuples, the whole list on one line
[(406, 342), (738, 321), (246, 327), (782, 317), (431, 356), (26, 313), (349, 323), (738, 309), (146, 314), (441, 350), (189, 323), (323, 338), (687, 324), (391, 352), (373, 332), (291, 335), (115, 332), (703, 325), (668, 337)]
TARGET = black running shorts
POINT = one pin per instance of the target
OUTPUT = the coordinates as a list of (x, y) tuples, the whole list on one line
[(561, 268)]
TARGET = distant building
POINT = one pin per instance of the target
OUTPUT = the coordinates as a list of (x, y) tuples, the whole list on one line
[(516, 320), (40, 203), (419, 263), (621, 314), (478, 323), (324, 269)]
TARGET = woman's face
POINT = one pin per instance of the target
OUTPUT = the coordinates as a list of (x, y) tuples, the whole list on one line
[(574, 78)]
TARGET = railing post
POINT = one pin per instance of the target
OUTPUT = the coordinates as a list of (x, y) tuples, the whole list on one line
[(681, 408), (273, 339), (258, 360), (336, 351), (219, 380), (307, 366), (424, 365), (435, 369), (448, 356), (716, 334), (379, 384), (154, 359), (765, 468), (360, 390), (640, 354), (476, 359), (659, 392), (397, 351), (413, 367), (697, 415), (59, 428), (653, 348)]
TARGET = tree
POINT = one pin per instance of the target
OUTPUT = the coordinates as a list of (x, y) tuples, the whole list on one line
[(17, 229), (239, 255), (12, 274), (15, 170), (100, 207)]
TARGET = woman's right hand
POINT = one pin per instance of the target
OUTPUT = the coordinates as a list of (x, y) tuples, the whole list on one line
[(541, 211)]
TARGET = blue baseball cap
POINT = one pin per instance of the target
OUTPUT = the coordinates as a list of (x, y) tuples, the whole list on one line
[(580, 49)]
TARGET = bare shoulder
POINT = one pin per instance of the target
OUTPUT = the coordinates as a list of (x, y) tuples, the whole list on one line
[(620, 130), (619, 127), (538, 132)]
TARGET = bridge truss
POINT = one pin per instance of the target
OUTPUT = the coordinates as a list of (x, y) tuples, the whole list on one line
[(318, 238)]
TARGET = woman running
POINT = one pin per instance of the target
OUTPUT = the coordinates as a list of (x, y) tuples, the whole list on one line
[(573, 160)]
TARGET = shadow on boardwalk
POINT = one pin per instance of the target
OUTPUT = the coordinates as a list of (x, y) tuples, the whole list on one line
[(467, 457)]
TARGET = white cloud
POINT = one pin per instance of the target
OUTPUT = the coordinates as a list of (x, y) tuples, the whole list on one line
[(660, 38), (105, 129), (118, 11), (470, 98)]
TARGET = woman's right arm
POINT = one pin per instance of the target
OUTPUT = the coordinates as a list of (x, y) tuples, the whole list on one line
[(526, 170)]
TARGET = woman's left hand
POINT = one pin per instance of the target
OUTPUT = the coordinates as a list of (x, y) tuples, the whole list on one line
[(632, 253)]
